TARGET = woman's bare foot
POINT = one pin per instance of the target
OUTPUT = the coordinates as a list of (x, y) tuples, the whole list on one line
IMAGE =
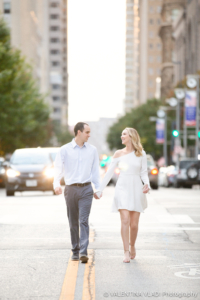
[(126, 256), (132, 252)]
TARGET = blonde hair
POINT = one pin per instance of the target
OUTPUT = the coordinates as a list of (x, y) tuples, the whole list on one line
[(135, 139)]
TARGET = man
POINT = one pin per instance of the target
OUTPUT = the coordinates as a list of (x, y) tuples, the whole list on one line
[(80, 162)]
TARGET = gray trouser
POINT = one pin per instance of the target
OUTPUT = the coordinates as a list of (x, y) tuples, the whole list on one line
[(79, 201)]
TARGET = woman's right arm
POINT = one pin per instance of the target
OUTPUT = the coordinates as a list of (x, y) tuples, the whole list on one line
[(108, 175)]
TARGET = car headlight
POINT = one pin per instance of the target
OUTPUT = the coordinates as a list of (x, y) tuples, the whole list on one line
[(2, 171), (12, 173), (49, 172)]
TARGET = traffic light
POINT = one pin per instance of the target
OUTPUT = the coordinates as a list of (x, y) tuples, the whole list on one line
[(199, 134), (175, 133)]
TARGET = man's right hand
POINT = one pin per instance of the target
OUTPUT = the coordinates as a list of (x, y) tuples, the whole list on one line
[(58, 190)]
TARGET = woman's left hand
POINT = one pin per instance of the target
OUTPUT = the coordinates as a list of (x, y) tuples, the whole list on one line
[(145, 189)]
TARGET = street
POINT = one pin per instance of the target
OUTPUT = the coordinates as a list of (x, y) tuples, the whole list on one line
[(35, 249)]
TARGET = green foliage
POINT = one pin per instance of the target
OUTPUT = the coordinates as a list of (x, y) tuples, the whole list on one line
[(62, 133), (24, 116), (138, 118)]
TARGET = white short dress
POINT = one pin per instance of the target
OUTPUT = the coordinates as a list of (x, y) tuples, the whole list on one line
[(128, 190)]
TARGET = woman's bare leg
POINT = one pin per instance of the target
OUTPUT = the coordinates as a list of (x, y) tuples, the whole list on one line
[(134, 220), (125, 223)]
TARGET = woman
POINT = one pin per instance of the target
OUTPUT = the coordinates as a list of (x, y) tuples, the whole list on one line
[(130, 199)]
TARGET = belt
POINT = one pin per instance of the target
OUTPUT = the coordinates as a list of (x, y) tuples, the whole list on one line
[(80, 184)]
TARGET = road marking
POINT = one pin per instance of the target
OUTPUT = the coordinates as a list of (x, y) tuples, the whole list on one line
[(89, 278), (69, 283)]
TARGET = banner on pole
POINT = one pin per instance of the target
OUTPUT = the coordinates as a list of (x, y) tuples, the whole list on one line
[(160, 131), (190, 108)]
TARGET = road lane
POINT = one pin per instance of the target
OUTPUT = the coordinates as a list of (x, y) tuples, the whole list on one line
[(35, 248)]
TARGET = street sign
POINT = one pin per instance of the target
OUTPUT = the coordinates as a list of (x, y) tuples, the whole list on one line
[(180, 93), (191, 82), (190, 108), (160, 113)]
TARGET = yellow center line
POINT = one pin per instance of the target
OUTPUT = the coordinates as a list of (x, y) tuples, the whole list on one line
[(69, 284), (89, 278)]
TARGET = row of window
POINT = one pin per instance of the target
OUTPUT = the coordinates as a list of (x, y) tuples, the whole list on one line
[(57, 40), (153, 9), (153, 46), (157, 58), (58, 87), (153, 71), (154, 21)]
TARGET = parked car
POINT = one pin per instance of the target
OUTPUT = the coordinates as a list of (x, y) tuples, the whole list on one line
[(30, 169), (167, 176), (188, 173), (2, 172), (152, 172)]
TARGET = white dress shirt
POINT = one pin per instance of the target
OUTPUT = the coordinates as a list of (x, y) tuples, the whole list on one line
[(78, 164)]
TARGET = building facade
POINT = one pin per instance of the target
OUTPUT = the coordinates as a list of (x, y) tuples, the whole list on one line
[(150, 50), (132, 55), (143, 52), (39, 29)]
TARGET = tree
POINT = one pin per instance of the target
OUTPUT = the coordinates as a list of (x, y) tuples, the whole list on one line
[(24, 116), (138, 118)]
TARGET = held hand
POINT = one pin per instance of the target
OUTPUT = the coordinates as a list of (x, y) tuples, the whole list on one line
[(145, 189), (96, 197), (58, 190)]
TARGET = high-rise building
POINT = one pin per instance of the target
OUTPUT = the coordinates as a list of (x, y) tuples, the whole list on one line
[(39, 29), (150, 50), (132, 55), (143, 52)]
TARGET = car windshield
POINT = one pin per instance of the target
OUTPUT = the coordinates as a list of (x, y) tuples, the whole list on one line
[(53, 155), (31, 158), (186, 163)]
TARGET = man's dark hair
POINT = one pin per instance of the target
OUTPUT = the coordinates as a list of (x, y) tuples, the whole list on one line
[(79, 126)]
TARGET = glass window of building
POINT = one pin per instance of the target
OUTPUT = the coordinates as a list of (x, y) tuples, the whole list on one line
[(6, 8), (151, 21), (56, 109), (150, 71), (55, 51), (54, 40), (55, 86), (151, 46), (54, 16), (54, 4), (54, 28), (56, 98), (55, 63)]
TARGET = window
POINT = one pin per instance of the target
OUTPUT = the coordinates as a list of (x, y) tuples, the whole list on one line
[(159, 58), (150, 58), (158, 46), (150, 71), (55, 51), (151, 9), (55, 86), (6, 7), (54, 16), (151, 34), (55, 63), (54, 28), (151, 21), (158, 72), (56, 98), (159, 9), (151, 46), (54, 40), (54, 4), (56, 110), (150, 83), (158, 21)]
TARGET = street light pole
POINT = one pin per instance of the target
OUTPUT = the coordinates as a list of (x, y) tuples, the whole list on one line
[(165, 141), (197, 120)]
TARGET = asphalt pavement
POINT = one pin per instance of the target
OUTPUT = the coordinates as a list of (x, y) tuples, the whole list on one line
[(35, 249)]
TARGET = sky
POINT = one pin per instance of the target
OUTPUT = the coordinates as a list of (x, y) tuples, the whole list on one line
[(96, 59)]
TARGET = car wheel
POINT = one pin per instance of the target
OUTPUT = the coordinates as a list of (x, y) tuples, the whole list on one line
[(155, 187), (10, 193)]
